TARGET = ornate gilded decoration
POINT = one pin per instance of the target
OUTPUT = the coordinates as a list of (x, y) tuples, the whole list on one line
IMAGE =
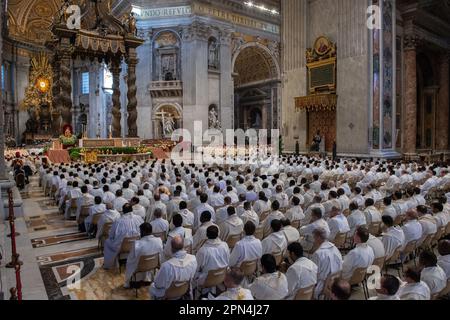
[(318, 102), (40, 83), (323, 49)]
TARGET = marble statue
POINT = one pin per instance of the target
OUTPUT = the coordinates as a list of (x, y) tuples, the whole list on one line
[(168, 125), (213, 119), (213, 58)]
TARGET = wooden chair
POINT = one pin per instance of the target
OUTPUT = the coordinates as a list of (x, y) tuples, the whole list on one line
[(278, 257), (359, 277), (379, 262), (374, 228), (447, 229), (339, 240), (326, 292), (394, 260), (53, 192), (146, 264), (410, 248), (438, 235), (125, 249), (249, 268), (399, 220), (73, 206), (213, 279), (426, 243), (84, 213), (96, 218), (296, 224), (264, 215), (305, 293), (259, 232), (445, 291), (104, 235), (176, 290), (232, 240), (162, 235)]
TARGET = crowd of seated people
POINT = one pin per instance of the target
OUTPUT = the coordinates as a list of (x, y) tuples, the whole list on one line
[(303, 228)]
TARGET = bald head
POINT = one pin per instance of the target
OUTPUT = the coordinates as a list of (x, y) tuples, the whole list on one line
[(177, 244), (341, 290), (412, 215)]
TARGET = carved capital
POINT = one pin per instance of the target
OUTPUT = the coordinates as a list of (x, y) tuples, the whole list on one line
[(411, 42), (225, 37), (196, 31)]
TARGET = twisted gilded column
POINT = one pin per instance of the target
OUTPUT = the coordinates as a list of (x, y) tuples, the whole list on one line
[(131, 94), (410, 117), (65, 94), (116, 109)]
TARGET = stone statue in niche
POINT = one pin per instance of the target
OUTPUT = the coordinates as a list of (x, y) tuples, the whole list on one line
[(168, 126), (213, 119), (168, 67), (213, 56)]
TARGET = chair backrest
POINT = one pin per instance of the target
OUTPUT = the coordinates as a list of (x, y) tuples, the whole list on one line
[(374, 228), (427, 241), (96, 218), (232, 240), (188, 249), (379, 262), (278, 257), (259, 232), (410, 247), (248, 268), (161, 235), (106, 228), (399, 219), (339, 240), (305, 293), (296, 224), (395, 256), (176, 290), (446, 290), (215, 278), (264, 215), (148, 263), (73, 203), (439, 234), (358, 276), (127, 243)]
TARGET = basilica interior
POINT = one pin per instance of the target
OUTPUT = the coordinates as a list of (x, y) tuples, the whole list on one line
[(366, 80)]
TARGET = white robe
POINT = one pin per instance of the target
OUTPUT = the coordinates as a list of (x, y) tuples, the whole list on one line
[(274, 243), (108, 216), (377, 246), (412, 231), (292, 235), (338, 224), (414, 291), (444, 263), (295, 214), (270, 286), (180, 268), (213, 255), (126, 226), (185, 233), (361, 256), (372, 215), (235, 294), (200, 236), (302, 274), (247, 249), (392, 239), (355, 220), (328, 260), (435, 278), (146, 246), (250, 215), (160, 225), (307, 232), (274, 215), (231, 227)]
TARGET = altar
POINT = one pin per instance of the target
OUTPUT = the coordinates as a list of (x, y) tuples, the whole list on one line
[(115, 142)]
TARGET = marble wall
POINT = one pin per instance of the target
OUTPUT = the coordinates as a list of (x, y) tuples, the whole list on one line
[(344, 22)]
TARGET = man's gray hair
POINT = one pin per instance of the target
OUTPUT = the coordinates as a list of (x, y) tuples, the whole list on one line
[(320, 233)]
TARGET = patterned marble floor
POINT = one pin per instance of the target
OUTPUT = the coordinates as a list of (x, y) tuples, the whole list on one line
[(69, 262)]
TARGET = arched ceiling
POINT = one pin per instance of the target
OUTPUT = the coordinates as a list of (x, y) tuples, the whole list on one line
[(30, 20), (254, 64)]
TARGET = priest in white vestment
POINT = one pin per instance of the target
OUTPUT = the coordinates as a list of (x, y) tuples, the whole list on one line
[(432, 274), (232, 226), (180, 268), (178, 230), (316, 223), (444, 256), (248, 248), (148, 245), (200, 235), (213, 255), (413, 288), (361, 256), (125, 227), (389, 287), (337, 223), (109, 216), (272, 284), (234, 292), (276, 241), (393, 238), (327, 258), (302, 273)]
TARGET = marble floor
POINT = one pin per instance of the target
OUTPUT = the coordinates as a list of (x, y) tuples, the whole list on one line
[(62, 263)]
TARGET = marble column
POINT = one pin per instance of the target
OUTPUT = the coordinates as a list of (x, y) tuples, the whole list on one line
[(116, 109), (131, 95), (2, 114), (226, 86), (443, 104), (410, 116)]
